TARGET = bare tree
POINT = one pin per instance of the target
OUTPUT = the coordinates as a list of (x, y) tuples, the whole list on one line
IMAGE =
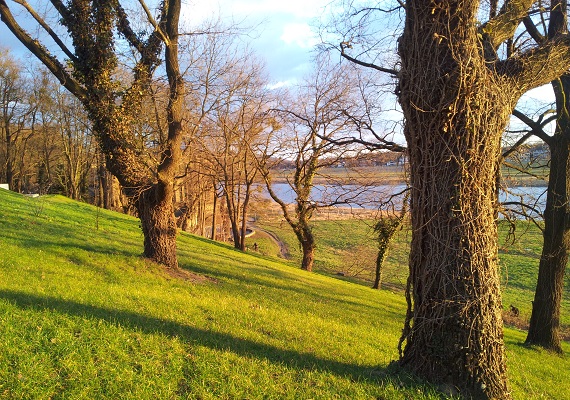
[(237, 125), (16, 110), (311, 124)]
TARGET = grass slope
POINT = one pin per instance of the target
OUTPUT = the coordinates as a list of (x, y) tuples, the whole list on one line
[(82, 316), (349, 246)]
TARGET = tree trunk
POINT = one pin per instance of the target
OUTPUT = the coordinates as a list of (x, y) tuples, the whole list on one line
[(307, 241), (214, 214), (244, 215), (243, 229), (455, 111), (544, 329), (308, 255), (156, 213), (379, 262)]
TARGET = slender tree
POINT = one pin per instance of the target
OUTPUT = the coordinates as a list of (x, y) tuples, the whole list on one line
[(16, 111), (385, 228)]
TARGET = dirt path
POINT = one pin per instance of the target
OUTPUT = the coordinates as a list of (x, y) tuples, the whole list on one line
[(283, 249)]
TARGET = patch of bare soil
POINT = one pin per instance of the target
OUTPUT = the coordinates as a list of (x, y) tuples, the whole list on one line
[(512, 320), (189, 276)]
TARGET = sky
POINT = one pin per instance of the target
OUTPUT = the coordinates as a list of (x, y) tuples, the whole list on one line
[(283, 36)]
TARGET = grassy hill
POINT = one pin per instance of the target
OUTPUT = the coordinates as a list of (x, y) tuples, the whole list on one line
[(349, 247), (82, 316)]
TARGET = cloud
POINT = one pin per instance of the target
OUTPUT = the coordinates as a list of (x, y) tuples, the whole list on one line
[(299, 34), (284, 36), (301, 9), (280, 84)]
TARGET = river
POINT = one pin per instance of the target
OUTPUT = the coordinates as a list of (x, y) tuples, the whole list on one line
[(373, 197)]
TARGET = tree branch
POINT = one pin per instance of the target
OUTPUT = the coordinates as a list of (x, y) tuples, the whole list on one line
[(536, 127), (345, 45), (538, 66), (532, 30), (41, 52), (503, 26), (47, 28)]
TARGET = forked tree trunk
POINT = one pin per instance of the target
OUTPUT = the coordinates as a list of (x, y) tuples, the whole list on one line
[(156, 213), (455, 111), (544, 328), (93, 83)]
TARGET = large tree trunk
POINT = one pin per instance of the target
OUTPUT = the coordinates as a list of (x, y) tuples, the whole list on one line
[(156, 212), (455, 111), (544, 329)]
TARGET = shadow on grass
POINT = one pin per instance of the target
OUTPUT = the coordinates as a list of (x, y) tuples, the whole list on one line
[(216, 340)]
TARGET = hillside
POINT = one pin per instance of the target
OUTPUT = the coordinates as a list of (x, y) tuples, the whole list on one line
[(82, 316)]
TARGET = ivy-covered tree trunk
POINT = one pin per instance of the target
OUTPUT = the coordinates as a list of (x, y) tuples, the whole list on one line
[(455, 111), (155, 210), (113, 106), (456, 95), (544, 328)]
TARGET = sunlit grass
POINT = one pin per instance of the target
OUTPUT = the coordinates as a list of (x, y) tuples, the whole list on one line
[(349, 246), (82, 316)]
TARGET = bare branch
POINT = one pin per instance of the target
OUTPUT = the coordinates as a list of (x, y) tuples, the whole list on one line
[(345, 45), (532, 30), (47, 28), (536, 127), (153, 22), (497, 30), (41, 52)]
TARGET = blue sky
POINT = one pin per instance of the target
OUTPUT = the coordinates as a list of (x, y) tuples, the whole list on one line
[(282, 36)]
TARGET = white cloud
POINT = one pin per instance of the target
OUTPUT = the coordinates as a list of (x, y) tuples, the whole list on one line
[(280, 84), (299, 34), (283, 34), (302, 9)]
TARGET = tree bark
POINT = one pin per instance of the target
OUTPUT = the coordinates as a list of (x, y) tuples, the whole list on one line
[(379, 263), (544, 328), (307, 241), (156, 212), (454, 331), (214, 213)]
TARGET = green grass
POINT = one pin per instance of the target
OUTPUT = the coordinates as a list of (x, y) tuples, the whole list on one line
[(82, 316), (349, 247)]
